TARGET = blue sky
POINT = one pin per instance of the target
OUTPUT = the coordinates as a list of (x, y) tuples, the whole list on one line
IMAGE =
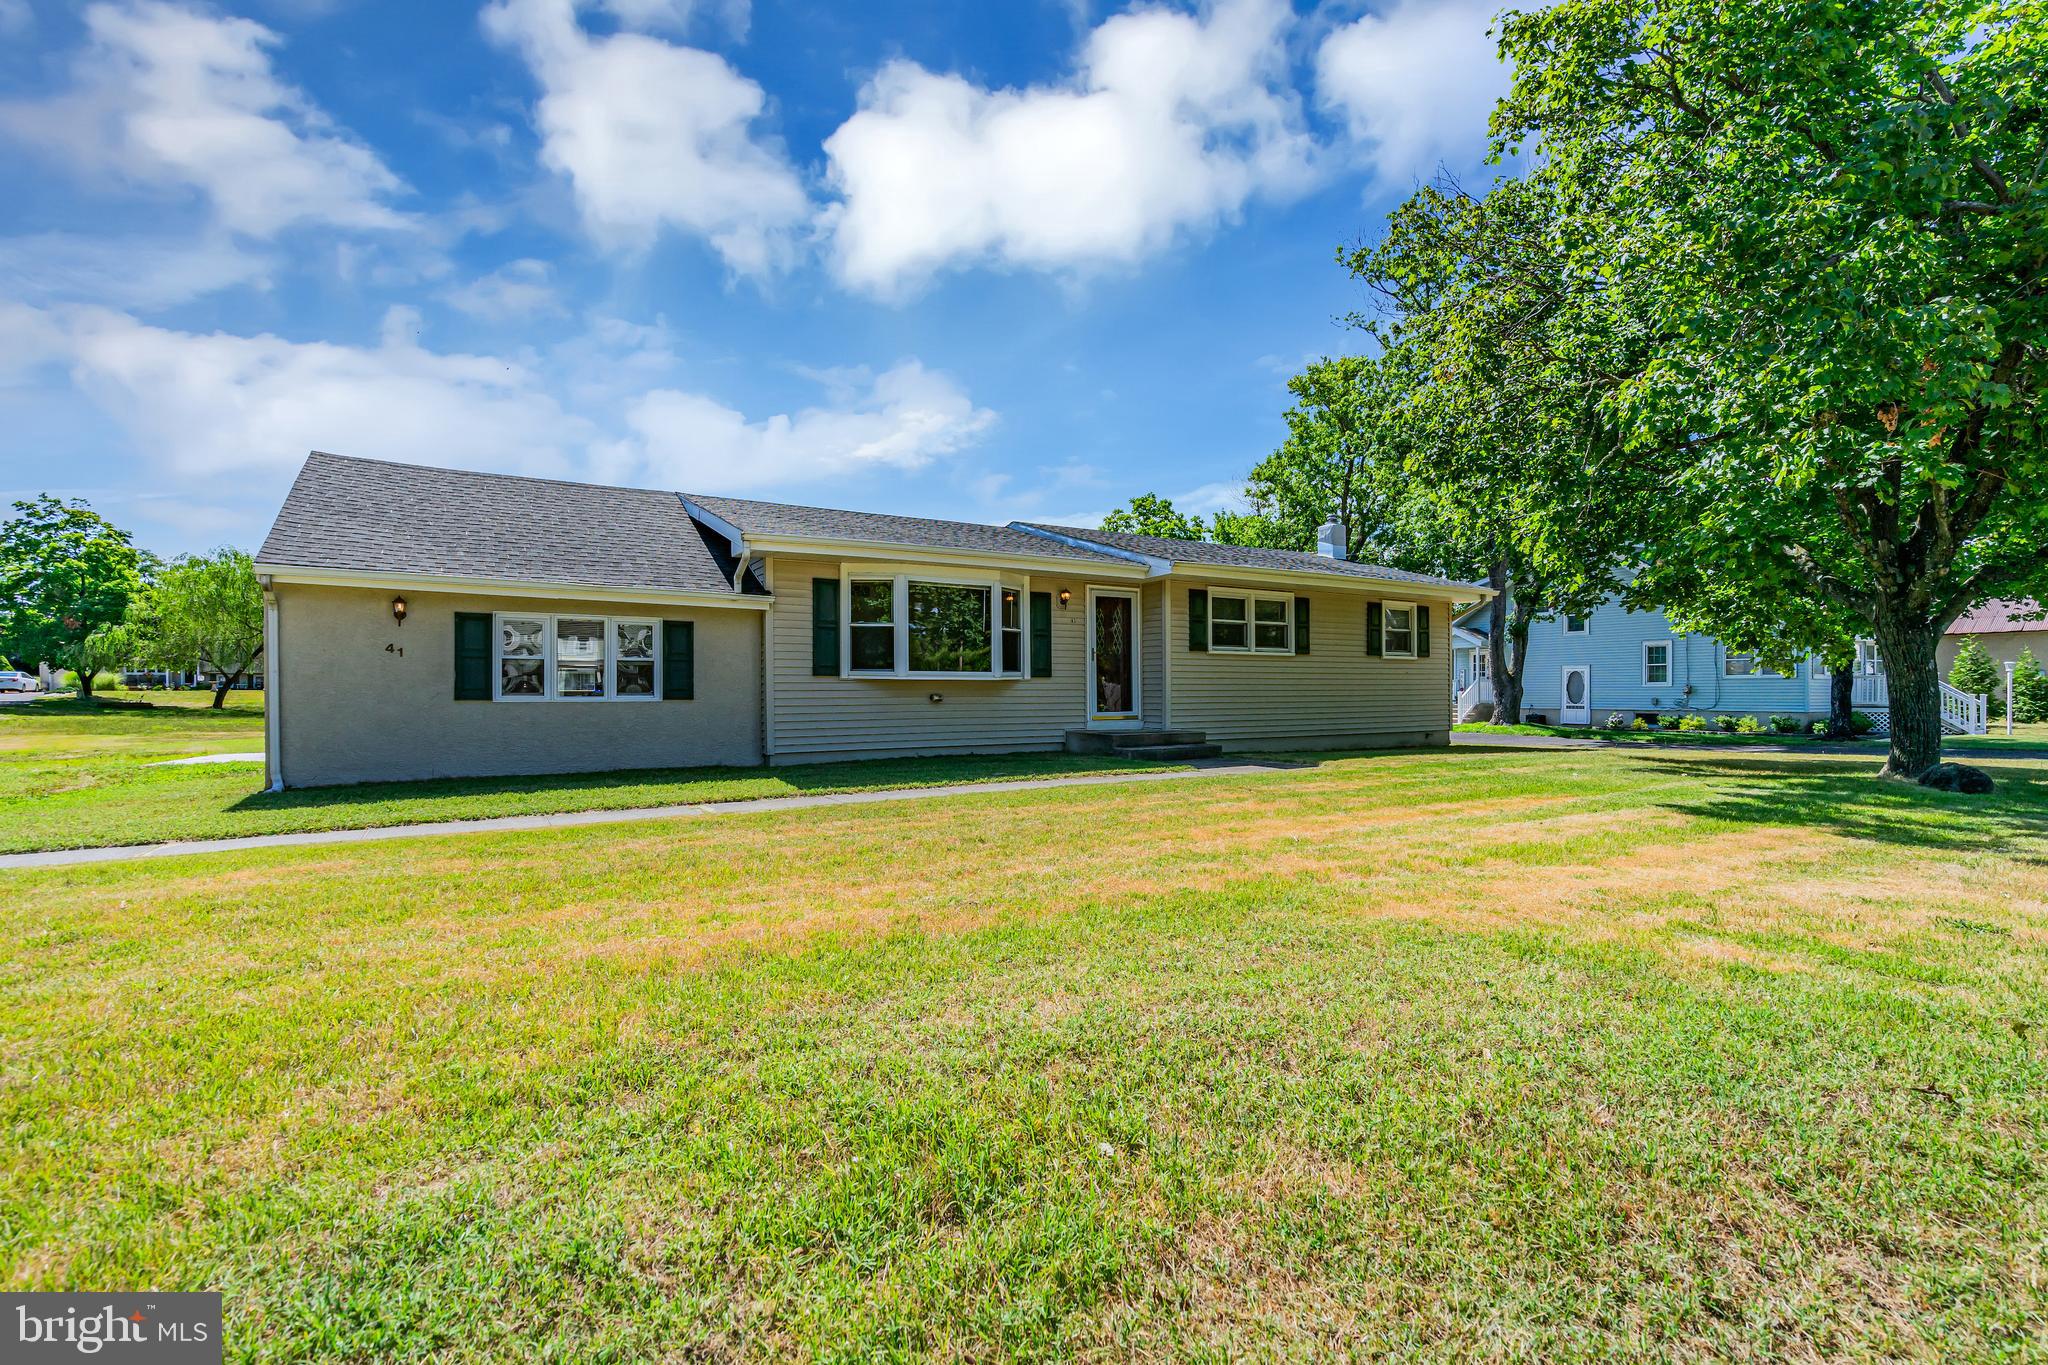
[(981, 261)]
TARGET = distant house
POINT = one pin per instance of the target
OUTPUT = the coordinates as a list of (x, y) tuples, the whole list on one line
[(438, 623), (1582, 669), (2004, 629)]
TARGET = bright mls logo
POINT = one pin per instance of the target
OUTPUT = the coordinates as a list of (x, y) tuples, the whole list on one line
[(164, 1329)]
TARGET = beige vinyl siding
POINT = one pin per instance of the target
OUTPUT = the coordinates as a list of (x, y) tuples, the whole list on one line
[(2003, 646), (830, 718), (1335, 694), (351, 711), (1152, 655)]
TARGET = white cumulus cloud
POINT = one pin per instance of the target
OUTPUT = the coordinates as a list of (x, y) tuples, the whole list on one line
[(902, 419), (167, 97), (519, 289), (1416, 83), (653, 135), (1170, 122), (605, 405)]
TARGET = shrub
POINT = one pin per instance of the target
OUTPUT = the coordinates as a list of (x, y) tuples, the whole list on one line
[(1749, 725), (1616, 721), (1640, 724), (1692, 723), (1819, 728), (1861, 723), (1728, 725), (1787, 725), (2029, 689), (1975, 673)]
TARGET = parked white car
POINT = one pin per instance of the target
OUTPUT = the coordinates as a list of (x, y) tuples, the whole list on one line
[(19, 682)]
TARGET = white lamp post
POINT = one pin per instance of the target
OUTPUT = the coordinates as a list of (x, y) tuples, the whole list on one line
[(2008, 700)]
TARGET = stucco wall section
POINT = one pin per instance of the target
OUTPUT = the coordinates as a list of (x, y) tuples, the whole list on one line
[(1335, 693), (831, 717), (352, 712), (2003, 646)]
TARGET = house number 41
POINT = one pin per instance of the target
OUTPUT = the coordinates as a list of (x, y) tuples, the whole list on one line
[(399, 650)]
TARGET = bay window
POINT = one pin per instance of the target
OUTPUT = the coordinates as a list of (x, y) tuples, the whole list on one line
[(921, 624), (575, 658)]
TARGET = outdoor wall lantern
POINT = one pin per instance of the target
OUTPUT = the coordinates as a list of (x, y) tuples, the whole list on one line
[(398, 610), (1066, 596)]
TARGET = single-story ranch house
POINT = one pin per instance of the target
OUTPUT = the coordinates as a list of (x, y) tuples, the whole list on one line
[(441, 623)]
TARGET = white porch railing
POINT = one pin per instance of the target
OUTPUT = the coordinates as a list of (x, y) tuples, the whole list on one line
[(1478, 690), (1964, 713)]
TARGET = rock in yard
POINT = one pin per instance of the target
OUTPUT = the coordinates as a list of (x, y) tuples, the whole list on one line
[(1957, 777)]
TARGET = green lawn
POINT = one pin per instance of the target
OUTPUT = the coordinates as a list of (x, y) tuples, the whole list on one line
[(2024, 736), (76, 775), (1546, 1055)]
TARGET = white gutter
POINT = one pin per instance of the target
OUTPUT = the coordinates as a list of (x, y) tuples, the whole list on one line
[(505, 587)]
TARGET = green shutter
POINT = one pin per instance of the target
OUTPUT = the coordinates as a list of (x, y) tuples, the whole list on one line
[(1198, 620), (1041, 635), (1422, 632), (1301, 625), (678, 660), (825, 627), (472, 656), (1372, 629)]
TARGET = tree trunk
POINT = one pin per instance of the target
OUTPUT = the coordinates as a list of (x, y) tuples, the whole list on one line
[(1841, 702), (1907, 647), (1507, 663), (220, 690), (84, 684)]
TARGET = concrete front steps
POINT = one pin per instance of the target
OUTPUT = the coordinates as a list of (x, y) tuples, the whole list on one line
[(1164, 746)]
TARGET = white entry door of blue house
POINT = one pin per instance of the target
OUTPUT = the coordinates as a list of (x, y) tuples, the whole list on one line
[(1578, 696)]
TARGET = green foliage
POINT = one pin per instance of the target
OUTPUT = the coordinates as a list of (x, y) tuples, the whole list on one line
[(1861, 723), (100, 654), (1822, 232), (1975, 672), (1148, 514), (1692, 723), (1787, 725), (2029, 690), (1749, 725), (204, 609), (64, 573)]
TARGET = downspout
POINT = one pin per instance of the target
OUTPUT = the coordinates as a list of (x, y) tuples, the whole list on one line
[(273, 693)]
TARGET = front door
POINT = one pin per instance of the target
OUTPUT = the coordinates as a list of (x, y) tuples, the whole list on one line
[(1112, 659), (1578, 704)]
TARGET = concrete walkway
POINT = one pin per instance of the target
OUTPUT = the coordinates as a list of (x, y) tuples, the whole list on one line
[(571, 819), (204, 758)]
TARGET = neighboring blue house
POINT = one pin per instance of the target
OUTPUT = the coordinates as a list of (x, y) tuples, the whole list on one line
[(1582, 669)]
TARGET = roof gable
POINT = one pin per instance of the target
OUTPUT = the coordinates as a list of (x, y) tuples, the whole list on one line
[(374, 516)]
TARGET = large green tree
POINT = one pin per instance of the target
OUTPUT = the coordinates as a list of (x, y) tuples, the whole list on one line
[(1493, 458), (65, 572), (1828, 226), (204, 609), (1148, 514)]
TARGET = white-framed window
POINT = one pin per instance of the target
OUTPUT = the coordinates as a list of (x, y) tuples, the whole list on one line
[(1251, 622), (1013, 633), (540, 656), (1657, 662), (1397, 630), (1577, 625), (1735, 664), (918, 623)]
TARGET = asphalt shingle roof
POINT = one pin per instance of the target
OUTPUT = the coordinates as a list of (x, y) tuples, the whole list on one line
[(1245, 556), (370, 515), (825, 523)]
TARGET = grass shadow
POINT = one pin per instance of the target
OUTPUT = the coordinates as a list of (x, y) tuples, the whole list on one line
[(669, 786), (1843, 793)]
